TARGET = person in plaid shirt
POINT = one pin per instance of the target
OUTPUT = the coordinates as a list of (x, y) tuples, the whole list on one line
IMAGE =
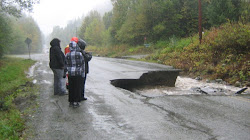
[(76, 72)]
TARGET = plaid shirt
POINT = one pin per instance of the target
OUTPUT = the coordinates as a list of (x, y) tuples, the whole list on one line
[(75, 61)]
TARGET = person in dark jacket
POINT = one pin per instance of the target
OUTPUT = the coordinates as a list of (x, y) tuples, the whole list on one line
[(87, 57), (57, 62), (76, 72)]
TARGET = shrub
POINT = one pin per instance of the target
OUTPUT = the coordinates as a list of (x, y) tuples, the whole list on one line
[(224, 53)]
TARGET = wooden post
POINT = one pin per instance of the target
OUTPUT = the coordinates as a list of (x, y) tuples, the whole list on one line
[(200, 21), (28, 41)]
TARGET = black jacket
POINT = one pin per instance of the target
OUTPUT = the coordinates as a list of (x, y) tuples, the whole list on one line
[(87, 58), (57, 58)]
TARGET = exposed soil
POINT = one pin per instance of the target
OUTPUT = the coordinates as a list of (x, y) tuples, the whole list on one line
[(26, 99)]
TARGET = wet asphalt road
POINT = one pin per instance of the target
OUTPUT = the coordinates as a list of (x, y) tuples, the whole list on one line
[(112, 113)]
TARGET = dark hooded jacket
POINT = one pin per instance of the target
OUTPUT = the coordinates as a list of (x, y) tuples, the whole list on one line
[(57, 58), (87, 56)]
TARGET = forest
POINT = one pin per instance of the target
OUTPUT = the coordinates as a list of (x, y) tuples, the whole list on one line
[(16, 26), (135, 22)]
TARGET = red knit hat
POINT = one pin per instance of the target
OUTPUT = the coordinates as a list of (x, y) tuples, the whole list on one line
[(75, 39)]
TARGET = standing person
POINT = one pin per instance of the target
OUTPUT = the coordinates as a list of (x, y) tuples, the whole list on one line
[(66, 50), (76, 72), (57, 61), (87, 57)]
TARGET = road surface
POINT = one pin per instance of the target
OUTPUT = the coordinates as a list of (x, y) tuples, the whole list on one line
[(112, 113)]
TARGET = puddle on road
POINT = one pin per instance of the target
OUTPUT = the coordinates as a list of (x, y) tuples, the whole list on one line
[(30, 73), (45, 72), (192, 86), (46, 82), (34, 81)]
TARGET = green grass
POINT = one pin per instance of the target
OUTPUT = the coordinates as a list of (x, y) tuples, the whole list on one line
[(12, 73), (15, 88)]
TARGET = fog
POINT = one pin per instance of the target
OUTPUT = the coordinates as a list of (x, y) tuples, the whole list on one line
[(50, 13)]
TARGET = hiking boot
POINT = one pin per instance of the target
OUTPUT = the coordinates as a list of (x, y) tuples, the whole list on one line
[(76, 104), (83, 99), (65, 93)]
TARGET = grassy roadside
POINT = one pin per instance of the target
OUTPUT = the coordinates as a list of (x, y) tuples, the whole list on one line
[(17, 97)]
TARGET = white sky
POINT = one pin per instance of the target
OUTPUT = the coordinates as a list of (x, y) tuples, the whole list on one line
[(50, 13)]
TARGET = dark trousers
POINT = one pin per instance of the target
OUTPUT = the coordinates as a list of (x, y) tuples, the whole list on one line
[(75, 88), (84, 81)]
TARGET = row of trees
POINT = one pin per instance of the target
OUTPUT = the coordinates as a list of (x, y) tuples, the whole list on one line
[(92, 28), (15, 27), (131, 21)]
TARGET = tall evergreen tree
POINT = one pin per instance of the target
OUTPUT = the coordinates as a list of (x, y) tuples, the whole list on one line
[(219, 11)]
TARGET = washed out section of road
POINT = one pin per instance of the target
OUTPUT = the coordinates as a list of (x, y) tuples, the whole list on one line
[(150, 79), (147, 121)]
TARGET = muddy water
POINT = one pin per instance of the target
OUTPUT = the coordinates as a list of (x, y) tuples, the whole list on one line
[(185, 83), (189, 86)]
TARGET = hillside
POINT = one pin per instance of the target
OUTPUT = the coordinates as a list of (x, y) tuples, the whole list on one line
[(224, 53)]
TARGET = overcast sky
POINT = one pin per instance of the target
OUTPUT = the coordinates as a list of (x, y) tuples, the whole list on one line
[(50, 13)]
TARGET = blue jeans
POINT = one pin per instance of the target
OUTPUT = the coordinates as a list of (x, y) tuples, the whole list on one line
[(59, 82)]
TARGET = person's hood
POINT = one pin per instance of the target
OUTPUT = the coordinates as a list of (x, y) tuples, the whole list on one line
[(55, 42), (82, 44), (73, 46)]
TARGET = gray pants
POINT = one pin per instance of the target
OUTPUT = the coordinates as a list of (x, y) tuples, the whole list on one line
[(59, 82)]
